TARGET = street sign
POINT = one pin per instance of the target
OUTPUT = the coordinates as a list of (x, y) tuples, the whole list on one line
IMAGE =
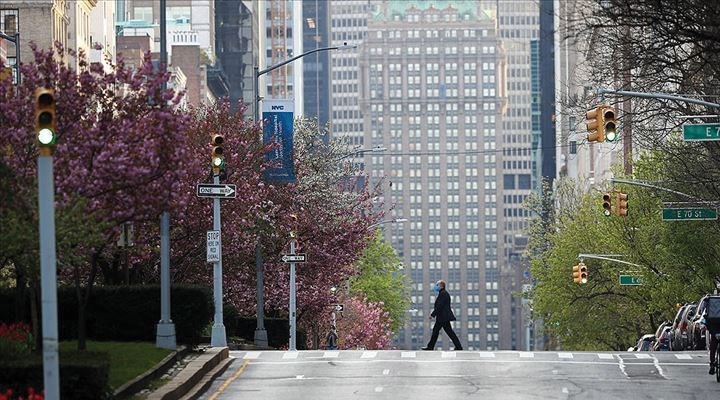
[(213, 246), (701, 132), (627, 280), (223, 191), (290, 258), (339, 307), (689, 214)]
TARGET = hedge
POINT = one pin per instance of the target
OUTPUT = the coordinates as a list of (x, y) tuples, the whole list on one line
[(83, 375), (128, 313), (278, 331)]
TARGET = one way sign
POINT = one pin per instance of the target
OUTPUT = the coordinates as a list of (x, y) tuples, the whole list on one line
[(291, 258), (224, 191)]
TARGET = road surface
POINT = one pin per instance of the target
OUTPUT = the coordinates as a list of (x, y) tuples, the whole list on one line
[(436, 375)]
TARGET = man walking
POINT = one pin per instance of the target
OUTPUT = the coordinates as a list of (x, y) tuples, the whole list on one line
[(443, 315)]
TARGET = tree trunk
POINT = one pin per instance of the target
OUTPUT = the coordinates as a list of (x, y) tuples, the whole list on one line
[(34, 316), (21, 293), (83, 300)]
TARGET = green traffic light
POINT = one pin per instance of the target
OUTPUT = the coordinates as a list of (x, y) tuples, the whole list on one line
[(46, 137), (218, 162)]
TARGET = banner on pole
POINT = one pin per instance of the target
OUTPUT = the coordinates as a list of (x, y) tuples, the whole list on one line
[(278, 129)]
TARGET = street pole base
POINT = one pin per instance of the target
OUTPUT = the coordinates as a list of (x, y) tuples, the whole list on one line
[(165, 336), (218, 338), (261, 338)]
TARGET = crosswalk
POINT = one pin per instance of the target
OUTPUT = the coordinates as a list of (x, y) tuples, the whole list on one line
[(270, 355)]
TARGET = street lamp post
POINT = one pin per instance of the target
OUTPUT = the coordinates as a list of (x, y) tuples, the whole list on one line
[(389, 221), (260, 333)]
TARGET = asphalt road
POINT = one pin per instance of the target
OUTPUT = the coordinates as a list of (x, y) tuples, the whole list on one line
[(465, 374)]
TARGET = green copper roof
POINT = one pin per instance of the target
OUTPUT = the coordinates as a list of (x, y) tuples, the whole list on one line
[(463, 7)]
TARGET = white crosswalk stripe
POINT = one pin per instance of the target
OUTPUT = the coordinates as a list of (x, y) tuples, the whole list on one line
[(486, 354), (290, 355), (448, 354), (565, 355), (604, 356), (331, 354), (251, 355), (369, 354), (527, 354), (408, 354), (643, 356), (683, 356)]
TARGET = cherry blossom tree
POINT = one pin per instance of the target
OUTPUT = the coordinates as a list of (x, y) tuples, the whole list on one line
[(120, 151), (365, 325)]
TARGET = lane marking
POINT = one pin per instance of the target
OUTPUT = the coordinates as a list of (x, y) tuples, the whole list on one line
[(555, 372), (683, 356), (605, 356), (477, 361), (299, 376), (386, 372), (565, 390), (486, 354), (643, 356), (252, 355), (565, 355), (448, 354), (526, 354), (369, 354), (659, 369), (408, 354), (378, 389), (331, 354), (290, 355), (621, 365), (229, 381)]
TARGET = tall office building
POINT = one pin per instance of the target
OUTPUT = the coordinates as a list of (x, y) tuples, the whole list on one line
[(316, 67), (435, 97), (235, 43), (518, 25)]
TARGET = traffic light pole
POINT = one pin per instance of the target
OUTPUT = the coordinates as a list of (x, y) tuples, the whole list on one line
[(664, 96), (48, 277), (650, 185), (218, 338), (605, 257)]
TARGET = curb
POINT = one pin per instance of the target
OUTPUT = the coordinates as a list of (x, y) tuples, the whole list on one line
[(192, 374), (207, 380), (141, 381)]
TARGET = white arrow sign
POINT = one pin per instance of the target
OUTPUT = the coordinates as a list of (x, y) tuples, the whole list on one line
[(223, 191), (339, 307), (289, 258)]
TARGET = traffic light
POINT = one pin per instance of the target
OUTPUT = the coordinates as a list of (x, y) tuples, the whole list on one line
[(594, 125), (608, 124), (45, 121), (621, 206), (218, 159), (607, 204), (580, 273)]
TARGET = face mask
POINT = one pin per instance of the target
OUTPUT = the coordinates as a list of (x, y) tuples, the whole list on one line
[(435, 288)]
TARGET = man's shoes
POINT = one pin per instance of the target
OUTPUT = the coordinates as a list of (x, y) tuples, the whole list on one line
[(712, 369), (426, 348), (458, 349)]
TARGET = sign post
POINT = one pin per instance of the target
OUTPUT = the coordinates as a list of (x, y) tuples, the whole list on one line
[(701, 132), (292, 258), (689, 214), (218, 338), (213, 191)]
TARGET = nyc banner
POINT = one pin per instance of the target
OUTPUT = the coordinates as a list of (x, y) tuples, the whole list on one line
[(278, 129)]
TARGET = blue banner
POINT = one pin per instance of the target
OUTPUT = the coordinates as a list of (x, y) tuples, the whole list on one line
[(278, 129)]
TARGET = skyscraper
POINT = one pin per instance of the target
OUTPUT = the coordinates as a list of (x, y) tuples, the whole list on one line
[(435, 97)]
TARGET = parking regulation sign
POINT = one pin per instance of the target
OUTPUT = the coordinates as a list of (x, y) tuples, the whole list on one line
[(213, 246)]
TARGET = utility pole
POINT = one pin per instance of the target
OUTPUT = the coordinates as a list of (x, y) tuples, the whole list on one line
[(165, 333)]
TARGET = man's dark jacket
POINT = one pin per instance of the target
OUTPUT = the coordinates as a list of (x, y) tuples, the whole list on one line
[(442, 311)]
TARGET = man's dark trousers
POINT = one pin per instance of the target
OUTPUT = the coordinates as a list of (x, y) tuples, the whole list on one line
[(449, 330)]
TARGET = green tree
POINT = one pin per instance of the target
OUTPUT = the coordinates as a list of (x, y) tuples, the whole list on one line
[(381, 280)]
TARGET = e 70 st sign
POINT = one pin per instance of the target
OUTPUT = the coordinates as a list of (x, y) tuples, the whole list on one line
[(701, 132)]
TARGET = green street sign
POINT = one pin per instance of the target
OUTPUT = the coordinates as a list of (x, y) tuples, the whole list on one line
[(627, 280), (689, 214), (701, 132)]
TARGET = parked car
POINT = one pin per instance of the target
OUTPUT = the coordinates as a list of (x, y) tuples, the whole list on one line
[(676, 343), (664, 337), (645, 343), (680, 333), (695, 328)]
